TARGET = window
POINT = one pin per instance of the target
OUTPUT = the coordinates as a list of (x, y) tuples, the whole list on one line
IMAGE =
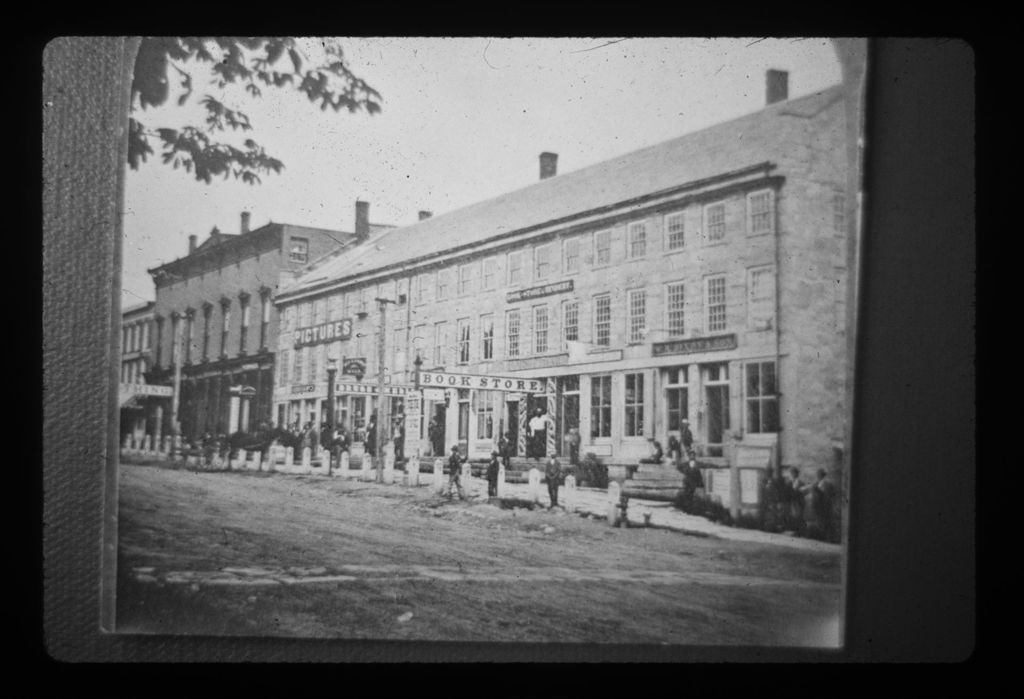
[(602, 248), (159, 339), (190, 322), (264, 318), (634, 405), (714, 303), (512, 333), (314, 364), (319, 311), (677, 397), (243, 300), (298, 250), (419, 342), (600, 407), (714, 222), (487, 333), (674, 228), (440, 342), (466, 279), (297, 373), (442, 284), (760, 213), (207, 310), (282, 374), (542, 261), (485, 401), (463, 340), (838, 212), (515, 267), (571, 255), (637, 240), (674, 298), (571, 321), (540, 329), (761, 298), (637, 315), (762, 398), (490, 274), (424, 284), (603, 320)]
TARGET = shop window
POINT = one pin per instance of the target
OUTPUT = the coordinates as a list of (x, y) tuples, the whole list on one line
[(634, 405), (677, 397), (762, 398), (600, 407), (485, 401)]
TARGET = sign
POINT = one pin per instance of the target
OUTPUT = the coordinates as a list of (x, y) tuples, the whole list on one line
[(750, 486), (433, 393), (354, 366), (324, 332), (697, 344), (303, 388), (412, 415), (350, 388), (145, 389), (538, 291), (439, 379), (244, 391)]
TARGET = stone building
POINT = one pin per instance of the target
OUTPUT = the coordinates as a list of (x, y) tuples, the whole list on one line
[(700, 279), (217, 301), (136, 408)]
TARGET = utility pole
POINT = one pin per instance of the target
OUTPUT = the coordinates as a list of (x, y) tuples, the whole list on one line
[(382, 304)]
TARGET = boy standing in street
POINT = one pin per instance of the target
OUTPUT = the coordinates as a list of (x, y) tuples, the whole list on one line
[(492, 475), (455, 473), (553, 475)]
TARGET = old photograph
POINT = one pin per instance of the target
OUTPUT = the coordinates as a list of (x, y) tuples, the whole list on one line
[(508, 340)]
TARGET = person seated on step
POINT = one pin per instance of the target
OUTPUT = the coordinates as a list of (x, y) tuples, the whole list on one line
[(656, 454)]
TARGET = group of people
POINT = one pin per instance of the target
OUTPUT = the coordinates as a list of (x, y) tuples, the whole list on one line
[(789, 504), (553, 473)]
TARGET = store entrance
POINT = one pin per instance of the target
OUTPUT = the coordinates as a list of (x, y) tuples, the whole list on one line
[(512, 424), (437, 433), (716, 402)]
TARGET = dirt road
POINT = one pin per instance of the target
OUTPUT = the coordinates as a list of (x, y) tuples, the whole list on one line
[(259, 554)]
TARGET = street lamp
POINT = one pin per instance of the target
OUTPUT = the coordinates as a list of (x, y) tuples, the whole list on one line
[(332, 369)]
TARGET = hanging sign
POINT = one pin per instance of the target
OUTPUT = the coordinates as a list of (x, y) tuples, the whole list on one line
[(354, 366)]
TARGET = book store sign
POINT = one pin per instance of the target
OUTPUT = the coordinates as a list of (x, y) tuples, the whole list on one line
[(538, 291), (439, 379), (324, 332), (697, 344)]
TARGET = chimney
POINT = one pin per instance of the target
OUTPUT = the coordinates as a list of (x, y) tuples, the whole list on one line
[(191, 244), (424, 215), (548, 165), (777, 86), (362, 220), (245, 222)]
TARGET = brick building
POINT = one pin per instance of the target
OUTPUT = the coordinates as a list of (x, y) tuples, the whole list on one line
[(217, 300), (703, 278), (136, 409)]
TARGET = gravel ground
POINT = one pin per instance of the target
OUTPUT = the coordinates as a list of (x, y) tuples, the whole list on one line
[(258, 554)]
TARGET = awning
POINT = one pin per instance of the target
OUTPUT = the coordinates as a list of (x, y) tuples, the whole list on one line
[(130, 402)]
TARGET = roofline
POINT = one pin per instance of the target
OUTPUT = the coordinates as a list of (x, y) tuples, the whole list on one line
[(765, 167), (145, 306)]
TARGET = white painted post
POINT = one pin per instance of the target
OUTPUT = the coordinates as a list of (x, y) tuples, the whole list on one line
[(216, 462), (614, 495), (289, 459), (368, 473), (307, 459), (345, 463), (501, 480), (438, 475), (569, 494), (257, 458), (325, 459), (535, 484), (389, 467)]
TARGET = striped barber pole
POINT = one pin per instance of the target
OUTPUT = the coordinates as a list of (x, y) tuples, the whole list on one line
[(521, 434), (552, 398)]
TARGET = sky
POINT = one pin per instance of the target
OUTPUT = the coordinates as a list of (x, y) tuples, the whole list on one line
[(462, 120)]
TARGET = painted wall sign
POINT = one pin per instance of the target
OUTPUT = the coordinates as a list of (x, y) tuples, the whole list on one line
[(697, 344), (538, 291), (350, 388), (439, 379), (433, 394), (324, 332)]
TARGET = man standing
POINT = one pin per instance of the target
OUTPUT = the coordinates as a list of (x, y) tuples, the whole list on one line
[(686, 437), (492, 475), (553, 475), (455, 473), (370, 445), (505, 449), (400, 437), (538, 426)]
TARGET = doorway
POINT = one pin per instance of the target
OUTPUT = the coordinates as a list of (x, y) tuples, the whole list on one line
[(512, 424), (716, 403)]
